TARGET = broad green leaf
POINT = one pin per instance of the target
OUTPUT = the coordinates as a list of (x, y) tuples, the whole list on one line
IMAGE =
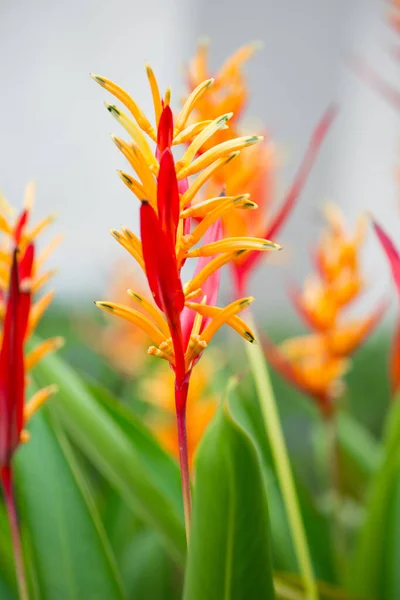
[(229, 551), (246, 411), (122, 449), (365, 576), (71, 556), (147, 571), (390, 558)]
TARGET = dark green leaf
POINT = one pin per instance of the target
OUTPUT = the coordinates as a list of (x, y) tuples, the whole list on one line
[(229, 550), (71, 556), (122, 449)]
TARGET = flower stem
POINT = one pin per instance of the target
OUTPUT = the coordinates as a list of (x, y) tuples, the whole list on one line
[(334, 488), (181, 392), (282, 463), (6, 479)]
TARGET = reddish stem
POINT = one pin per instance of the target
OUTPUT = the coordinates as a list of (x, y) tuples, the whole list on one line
[(181, 393), (7, 481)]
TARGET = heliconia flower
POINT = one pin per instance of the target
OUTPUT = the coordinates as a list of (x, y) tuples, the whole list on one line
[(393, 258), (173, 228), (20, 282), (254, 170), (316, 363)]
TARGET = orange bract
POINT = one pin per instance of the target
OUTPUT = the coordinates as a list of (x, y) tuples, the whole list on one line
[(253, 171), (317, 362)]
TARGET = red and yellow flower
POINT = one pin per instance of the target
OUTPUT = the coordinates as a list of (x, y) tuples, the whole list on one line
[(317, 362), (20, 281), (184, 318)]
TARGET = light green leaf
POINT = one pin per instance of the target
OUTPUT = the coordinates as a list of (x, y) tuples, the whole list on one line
[(229, 551), (122, 449), (70, 554)]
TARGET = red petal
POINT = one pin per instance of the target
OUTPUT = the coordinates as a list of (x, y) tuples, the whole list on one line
[(165, 130), (163, 277), (25, 272), (160, 261), (297, 186), (20, 225), (168, 195), (392, 254), (12, 380)]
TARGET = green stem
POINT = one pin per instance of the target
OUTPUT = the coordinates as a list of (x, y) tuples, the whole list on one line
[(282, 463), (6, 479)]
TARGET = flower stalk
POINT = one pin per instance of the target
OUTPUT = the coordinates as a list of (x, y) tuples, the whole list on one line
[(9, 498), (274, 431)]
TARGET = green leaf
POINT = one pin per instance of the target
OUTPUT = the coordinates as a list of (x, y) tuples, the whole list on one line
[(229, 551), (153, 575), (122, 449), (70, 554), (366, 572)]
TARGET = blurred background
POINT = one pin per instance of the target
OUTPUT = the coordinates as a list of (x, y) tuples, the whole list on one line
[(54, 127)]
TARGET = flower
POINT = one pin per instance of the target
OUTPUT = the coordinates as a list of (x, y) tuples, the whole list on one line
[(317, 362), (20, 281), (170, 233), (393, 258), (254, 170), (185, 317)]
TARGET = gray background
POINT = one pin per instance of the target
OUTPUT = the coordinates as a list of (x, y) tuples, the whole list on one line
[(54, 127)]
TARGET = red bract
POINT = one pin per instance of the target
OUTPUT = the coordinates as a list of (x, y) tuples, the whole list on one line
[(393, 257), (165, 130), (168, 196), (12, 369), (244, 268)]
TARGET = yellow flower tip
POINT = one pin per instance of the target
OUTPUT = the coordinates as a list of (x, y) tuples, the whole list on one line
[(112, 109), (115, 233), (254, 139), (100, 80), (246, 302), (125, 178), (104, 306), (209, 83), (116, 140)]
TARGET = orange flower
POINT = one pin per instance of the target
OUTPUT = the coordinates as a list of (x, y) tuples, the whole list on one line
[(316, 363), (124, 346), (255, 170)]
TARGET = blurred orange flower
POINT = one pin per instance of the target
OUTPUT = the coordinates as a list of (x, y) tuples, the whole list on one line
[(254, 170), (316, 363)]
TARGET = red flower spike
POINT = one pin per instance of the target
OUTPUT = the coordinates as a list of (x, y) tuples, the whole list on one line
[(165, 130), (391, 252), (161, 269), (12, 382), (168, 196)]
